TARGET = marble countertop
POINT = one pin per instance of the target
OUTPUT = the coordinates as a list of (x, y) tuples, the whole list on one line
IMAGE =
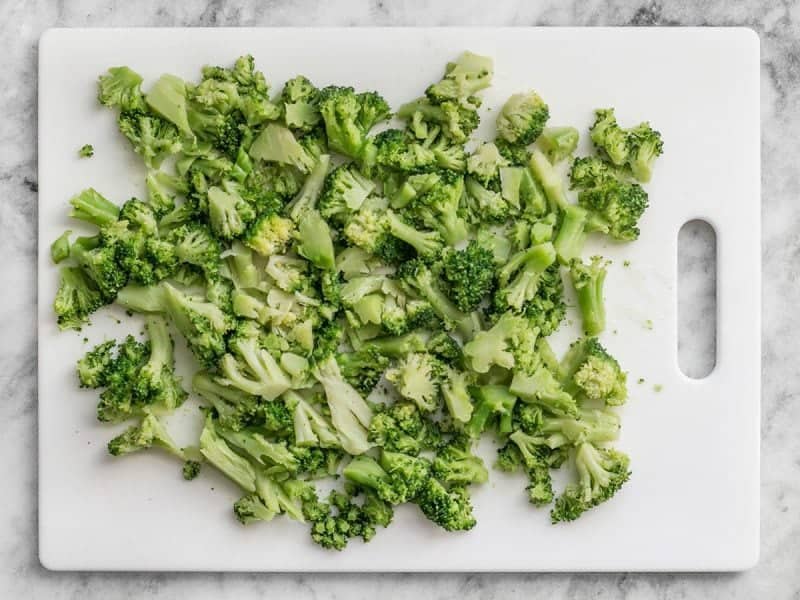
[(776, 576)]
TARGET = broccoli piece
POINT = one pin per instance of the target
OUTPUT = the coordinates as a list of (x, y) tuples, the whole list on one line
[(522, 118), (418, 278), (349, 413), (608, 137), (484, 165), (590, 371), (400, 427), (191, 469), (417, 377), (167, 97), (438, 205), (348, 117), (252, 369), (344, 192), (278, 144), (90, 206), (269, 234), (195, 245), (453, 119), (117, 402), (449, 508), (86, 151), (591, 425), (310, 427), (93, 368), (455, 391), (549, 179), (203, 324), (588, 281), (571, 234), (455, 465), (120, 87), (147, 434), (252, 89), (558, 143), (228, 213), (469, 74), (299, 97), (493, 402), (217, 452), (363, 369), (520, 190), (249, 509), (100, 264), (368, 473), (590, 172), (541, 387), (601, 473), (645, 146), (395, 149), (262, 451), (519, 279), (374, 232), (156, 383), (509, 342), (486, 205), (59, 249), (615, 208), (151, 137), (315, 242), (534, 454), (234, 408), (446, 349)]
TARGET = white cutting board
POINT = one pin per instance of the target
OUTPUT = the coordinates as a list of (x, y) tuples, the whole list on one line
[(693, 500)]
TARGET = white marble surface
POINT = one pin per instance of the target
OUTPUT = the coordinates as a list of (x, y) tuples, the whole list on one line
[(776, 577)]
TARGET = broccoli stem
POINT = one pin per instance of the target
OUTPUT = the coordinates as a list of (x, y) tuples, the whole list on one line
[(308, 195), (571, 235), (551, 182), (588, 283), (92, 207)]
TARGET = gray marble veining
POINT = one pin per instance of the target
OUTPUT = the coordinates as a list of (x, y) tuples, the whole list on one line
[(776, 577)]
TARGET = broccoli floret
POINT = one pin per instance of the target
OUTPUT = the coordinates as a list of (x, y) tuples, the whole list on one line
[(484, 165), (314, 241), (252, 369), (344, 192), (518, 280), (588, 281), (589, 370), (522, 118), (549, 179), (234, 408), (446, 349), (152, 137), (278, 144), (615, 208), (520, 190), (368, 473), (217, 452), (456, 465), (195, 245), (469, 74), (400, 427), (228, 212), (120, 87), (601, 473), (350, 414), (449, 508), (494, 403), (349, 116), (100, 264), (363, 369), (558, 143), (645, 146), (252, 89), (156, 383), (589, 172), (534, 454), (93, 367), (77, 297), (310, 427), (249, 509), (509, 342), (269, 234), (418, 278), (191, 469), (541, 387), (417, 377), (92, 207), (147, 434), (261, 450), (455, 120), (455, 391), (203, 324), (373, 231), (439, 205), (117, 402), (86, 151), (608, 137), (590, 425), (395, 149), (487, 206)]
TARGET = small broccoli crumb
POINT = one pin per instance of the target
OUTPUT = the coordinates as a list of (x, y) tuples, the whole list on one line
[(86, 151), (658, 387), (191, 468), (641, 380), (626, 263), (648, 324)]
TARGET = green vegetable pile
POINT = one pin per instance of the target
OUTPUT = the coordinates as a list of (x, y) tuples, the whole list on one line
[(309, 256)]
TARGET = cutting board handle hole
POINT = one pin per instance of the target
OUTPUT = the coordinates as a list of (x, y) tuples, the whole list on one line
[(697, 299)]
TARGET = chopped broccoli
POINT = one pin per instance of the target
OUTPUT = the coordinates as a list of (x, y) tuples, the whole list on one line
[(588, 281), (86, 151), (522, 118)]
